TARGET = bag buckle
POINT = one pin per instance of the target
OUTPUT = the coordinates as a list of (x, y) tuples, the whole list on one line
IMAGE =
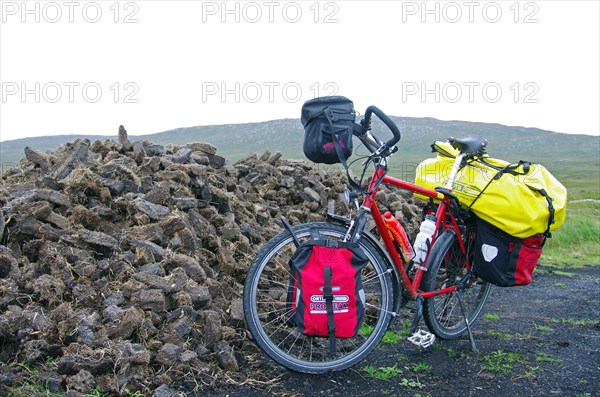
[(422, 338), (331, 244)]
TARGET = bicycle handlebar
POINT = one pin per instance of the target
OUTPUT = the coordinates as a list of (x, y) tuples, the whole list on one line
[(386, 120)]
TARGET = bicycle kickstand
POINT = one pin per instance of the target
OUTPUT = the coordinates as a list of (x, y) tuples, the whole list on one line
[(462, 309)]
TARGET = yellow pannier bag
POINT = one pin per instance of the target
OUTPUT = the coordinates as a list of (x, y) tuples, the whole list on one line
[(521, 199)]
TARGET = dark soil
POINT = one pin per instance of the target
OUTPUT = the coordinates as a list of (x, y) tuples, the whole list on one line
[(539, 340)]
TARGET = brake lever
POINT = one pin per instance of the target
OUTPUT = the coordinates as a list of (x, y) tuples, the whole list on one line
[(365, 127), (385, 151)]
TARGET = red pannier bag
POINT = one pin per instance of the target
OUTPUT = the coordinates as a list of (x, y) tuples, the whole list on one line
[(325, 292), (505, 260)]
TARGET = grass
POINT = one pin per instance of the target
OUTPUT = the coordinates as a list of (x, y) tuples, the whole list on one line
[(501, 361), (31, 385), (546, 358), (577, 323), (421, 367), (530, 372), (382, 373), (386, 373), (392, 337), (543, 328), (365, 330), (491, 316), (411, 383), (577, 242), (453, 354)]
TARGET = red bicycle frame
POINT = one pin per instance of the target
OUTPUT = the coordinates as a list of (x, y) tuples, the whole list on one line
[(445, 219)]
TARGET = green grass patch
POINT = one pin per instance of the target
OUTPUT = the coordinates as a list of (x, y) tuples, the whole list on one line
[(530, 372), (453, 354), (382, 373), (491, 316), (365, 330), (411, 383), (580, 178), (421, 367), (501, 362), (577, 242), (392, 337), (543, 328), (405, 327), (546, 358), (97, 393), (564, 274), (403, 357), (578, 323)]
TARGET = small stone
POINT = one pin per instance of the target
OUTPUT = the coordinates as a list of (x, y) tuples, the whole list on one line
[(155, 150), (227, 359), (236, 317), (151, 299), (154, 211), (168, 354), (312, 195), (112, 313), (182, 156), (164, 391)]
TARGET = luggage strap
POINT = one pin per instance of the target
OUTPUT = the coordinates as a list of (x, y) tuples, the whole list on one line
[(328, 295), (512, 169), (331, 117)]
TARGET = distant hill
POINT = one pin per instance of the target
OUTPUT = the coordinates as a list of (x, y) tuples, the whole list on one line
[(235, 141)]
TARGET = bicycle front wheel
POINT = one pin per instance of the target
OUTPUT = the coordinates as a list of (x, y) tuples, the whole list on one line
[(268, 314), (446, 268)]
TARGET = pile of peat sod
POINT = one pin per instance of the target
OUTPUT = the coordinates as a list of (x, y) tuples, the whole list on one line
[(122, 263)]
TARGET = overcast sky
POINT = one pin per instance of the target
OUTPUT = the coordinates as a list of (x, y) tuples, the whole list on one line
[(84, 67)]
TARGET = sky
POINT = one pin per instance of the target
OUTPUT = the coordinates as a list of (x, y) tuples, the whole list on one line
[(86, 67)]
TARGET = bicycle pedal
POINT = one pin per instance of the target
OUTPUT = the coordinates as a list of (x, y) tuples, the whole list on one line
[(422, 338)]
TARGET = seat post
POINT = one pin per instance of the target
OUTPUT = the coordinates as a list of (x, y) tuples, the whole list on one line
[(455, 168)]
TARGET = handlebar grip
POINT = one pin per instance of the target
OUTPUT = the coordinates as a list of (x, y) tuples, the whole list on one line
[(386, 120)]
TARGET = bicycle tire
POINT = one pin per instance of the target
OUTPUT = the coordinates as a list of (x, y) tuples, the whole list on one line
[(446, 267), (267, 312)]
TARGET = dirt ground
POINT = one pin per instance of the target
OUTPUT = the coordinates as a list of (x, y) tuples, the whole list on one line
[(539, 340)]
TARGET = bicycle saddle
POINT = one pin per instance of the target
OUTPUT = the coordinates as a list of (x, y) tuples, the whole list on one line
[(469, 145)]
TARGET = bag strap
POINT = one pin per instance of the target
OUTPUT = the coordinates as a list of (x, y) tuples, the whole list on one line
[(329, 114), (342, 115), (332, 243), (512, 169), (328, 295), (550, 208)]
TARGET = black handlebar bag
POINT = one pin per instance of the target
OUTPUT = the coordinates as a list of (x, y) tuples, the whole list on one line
[(328, 124)]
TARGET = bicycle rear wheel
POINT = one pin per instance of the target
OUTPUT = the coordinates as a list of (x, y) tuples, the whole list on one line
[(268, 313), (446, 268)]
